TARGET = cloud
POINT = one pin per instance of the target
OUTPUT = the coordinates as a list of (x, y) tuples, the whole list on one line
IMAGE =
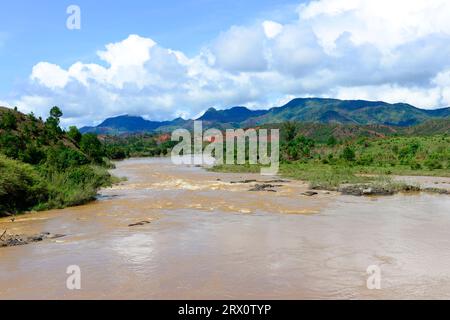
[(133, 51), (241, 49), (396, 51), (295, 51), (4, 104), (50, 75), (426, 97), (383, 23), (272, 29)]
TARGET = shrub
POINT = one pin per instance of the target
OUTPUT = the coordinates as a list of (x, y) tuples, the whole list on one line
[(433, 164), (416, 166), (348, 154), (366, 160), (21, 187), (61, 157), (92, 147), (74, 134), (332, 141), (10, 145), (77, 185), (8, 121)]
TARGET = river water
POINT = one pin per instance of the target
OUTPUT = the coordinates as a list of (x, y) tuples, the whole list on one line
[(212, 239)]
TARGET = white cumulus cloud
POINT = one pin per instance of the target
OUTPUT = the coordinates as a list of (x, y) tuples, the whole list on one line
[(396, 51), (50, 75), (272, 28)]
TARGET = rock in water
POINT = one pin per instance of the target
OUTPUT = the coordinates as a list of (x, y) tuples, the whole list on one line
[(365, 190), (20, 240), (265, 187), (310, 193), (141, 223), (243, 182)]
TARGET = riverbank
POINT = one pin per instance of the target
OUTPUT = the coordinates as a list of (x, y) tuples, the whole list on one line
[(355, 180), (44, 167)]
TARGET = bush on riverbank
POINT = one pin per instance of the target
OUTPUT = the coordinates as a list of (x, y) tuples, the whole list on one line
[(21, 187), (43, 167), (75, 186)]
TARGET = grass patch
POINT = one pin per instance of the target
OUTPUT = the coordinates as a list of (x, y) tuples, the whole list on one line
[(24, 187), (227, 168), (320, 176), (324, 177), (337, 177)]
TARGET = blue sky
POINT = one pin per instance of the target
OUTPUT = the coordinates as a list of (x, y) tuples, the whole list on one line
[(35, 30), (165, 59)]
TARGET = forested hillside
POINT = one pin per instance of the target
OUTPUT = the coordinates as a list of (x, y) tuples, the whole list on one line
[(43, 166)]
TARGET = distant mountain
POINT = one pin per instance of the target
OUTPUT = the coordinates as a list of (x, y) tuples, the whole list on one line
[(233, 115), (131, 124), (313, 110), (350, 112)]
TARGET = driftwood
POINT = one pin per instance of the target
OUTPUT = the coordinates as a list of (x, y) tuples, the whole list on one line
[(1, 237)]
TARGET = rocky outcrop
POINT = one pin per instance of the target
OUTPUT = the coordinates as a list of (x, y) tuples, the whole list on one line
[(20, 240), (366, 190)]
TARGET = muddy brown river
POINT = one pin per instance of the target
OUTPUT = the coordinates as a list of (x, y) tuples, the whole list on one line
[(212, 239)]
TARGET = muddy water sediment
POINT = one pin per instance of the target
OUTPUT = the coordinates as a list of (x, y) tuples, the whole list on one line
[(184, 233)]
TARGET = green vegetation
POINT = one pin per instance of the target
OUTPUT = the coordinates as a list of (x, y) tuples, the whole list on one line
[(328, 162), (43, 167), (330, 111), (139, 145), (331, 155)]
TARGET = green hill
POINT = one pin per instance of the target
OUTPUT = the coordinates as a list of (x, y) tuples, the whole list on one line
[(431, 127), (313, 110), (349, 112), (43, 167)]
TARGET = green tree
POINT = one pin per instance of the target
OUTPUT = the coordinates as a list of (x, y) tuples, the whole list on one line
[(10, 145), (289, 130), (92, 147), (61, 157), (348, 154), (74, 134), (52, 123), (299, 147), (56, 113), (9, 121), (21, 187), (332, 141)]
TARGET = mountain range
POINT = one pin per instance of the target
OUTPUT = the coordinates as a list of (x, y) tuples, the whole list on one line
[(311, 110)]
